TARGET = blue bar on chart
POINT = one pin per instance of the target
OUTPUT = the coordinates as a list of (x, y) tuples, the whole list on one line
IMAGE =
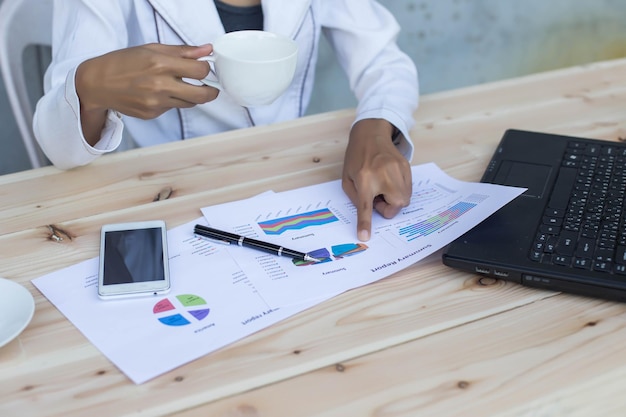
[(428, 226)]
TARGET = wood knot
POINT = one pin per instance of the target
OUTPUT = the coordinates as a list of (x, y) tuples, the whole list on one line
[(591, 323), (487, 281), (245, 410), (463, 384), (317, 159), (57, 234), (101, 372), (340, 368), (164, 194), (297, 352), (179, 379)]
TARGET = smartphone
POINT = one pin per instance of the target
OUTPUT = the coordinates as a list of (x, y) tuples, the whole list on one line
[(133, 260)]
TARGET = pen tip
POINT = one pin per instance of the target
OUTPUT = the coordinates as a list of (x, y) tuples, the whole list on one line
[(311, 259)]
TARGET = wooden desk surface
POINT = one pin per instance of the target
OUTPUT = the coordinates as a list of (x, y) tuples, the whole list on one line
[(428, 341)]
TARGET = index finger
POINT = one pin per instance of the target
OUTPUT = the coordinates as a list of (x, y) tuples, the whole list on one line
[(364, 203)]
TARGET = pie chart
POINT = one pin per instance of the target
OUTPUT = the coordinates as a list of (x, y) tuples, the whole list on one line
[(181, 310)]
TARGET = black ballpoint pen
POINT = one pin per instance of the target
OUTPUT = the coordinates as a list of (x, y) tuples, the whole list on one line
[(229, 238)]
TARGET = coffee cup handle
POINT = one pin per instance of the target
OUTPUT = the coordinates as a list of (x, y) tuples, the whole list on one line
[(207, 81)]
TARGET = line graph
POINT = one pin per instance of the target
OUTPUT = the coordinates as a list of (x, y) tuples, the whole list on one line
[(298, 221)]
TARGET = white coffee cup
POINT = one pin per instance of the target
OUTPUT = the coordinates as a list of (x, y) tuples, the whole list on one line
[(253, 67)]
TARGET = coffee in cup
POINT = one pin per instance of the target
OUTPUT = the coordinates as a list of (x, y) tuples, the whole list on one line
[(253, 67)]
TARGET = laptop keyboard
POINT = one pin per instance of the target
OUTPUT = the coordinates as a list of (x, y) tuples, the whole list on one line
[(583, 224)]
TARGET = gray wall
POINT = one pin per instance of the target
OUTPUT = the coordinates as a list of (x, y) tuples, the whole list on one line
[(454, 43)]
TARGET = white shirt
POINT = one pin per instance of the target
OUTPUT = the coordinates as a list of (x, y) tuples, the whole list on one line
[(361, 32)]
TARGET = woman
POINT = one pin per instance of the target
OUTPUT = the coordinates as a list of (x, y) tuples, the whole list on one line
[(120, 64)]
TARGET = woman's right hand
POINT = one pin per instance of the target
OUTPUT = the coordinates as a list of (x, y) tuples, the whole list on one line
[(143, 81)]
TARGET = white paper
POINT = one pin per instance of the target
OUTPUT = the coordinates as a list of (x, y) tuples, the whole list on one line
[(321, 220), (211, 304), (221, 293)]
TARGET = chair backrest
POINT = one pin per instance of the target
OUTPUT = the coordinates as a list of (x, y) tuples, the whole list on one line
[(23, 23)]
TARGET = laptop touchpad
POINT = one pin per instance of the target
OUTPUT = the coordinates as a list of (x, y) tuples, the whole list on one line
[(520, 174)]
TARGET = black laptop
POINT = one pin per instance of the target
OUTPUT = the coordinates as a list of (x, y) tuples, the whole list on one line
[(567, 231)]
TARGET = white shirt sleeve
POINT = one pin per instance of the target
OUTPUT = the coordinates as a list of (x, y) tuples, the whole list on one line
[(57, 127), (56, 122), (383, 78)]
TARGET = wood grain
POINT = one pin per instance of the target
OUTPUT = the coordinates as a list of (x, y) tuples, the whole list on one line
[(502, 365), (426, 341)]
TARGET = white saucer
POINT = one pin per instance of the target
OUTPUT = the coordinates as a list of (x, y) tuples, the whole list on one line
[(17, 307)]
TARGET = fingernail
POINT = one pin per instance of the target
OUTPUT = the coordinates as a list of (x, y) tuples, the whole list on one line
[(363, 235)]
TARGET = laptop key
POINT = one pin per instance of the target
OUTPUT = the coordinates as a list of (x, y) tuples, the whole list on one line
[(552, 221), (592, 150), (582, 263), (536, 255), (584, 248), (549, 229), (562, 260), (602, 266), (566, 243), (550, 244)]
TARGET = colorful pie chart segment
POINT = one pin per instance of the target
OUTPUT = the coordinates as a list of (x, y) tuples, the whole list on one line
[(322, 254), (181, 310), (347, 249), (338, 252)]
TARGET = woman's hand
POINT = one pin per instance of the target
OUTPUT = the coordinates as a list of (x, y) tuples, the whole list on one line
[(142, 81), (375, 174)]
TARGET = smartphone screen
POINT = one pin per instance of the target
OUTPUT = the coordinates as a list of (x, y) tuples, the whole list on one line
[(133, 256), (133, 260)]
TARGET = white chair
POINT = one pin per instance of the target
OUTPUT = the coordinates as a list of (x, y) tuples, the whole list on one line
[(23, 23)]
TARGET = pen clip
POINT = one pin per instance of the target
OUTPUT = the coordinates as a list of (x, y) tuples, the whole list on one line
[(223, 242)]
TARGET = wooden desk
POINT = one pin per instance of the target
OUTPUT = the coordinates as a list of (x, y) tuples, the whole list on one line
[(429, 341)]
